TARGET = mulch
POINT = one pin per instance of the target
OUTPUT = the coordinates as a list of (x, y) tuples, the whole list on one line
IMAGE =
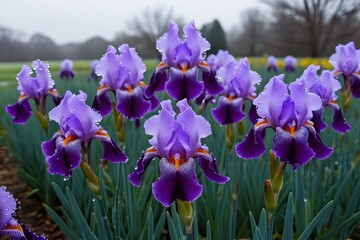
[(30, 210)]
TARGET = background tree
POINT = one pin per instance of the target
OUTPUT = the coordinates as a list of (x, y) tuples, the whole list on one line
[(216, 36)]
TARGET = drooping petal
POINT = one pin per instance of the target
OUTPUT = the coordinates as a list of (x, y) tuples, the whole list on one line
[(253, 145), (211, 84), (55, 96), (20, 111), (30, 235), (355, 86), (293, 149), (315, 143), (111, 151), (253, 116), (66, 156), (141, 166), (157, 83), (132, 104), (65, 74), (339, 123), (208, 165), (184, 85), (172, 184), (319, 124), (228, 111), (102, 103)]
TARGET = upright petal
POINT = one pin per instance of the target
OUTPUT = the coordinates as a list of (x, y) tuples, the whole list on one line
[(172, 184), (196, 43), (184, 85), (305, 102), (7, 207), (131, 60), (167, 43)]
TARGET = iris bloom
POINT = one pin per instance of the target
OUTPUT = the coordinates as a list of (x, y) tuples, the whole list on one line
[(181, 59), (123, 74), (346, 62), (36, 88), (66, 69), (8, 225), (325, 87), (296, 140), (290, 62), (239, 85), (272, 64), (78, 127), (176, 141)]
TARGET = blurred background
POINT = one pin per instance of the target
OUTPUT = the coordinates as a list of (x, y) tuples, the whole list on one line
[(80, 29)]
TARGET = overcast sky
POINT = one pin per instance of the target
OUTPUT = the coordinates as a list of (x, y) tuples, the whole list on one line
[(74, 21)]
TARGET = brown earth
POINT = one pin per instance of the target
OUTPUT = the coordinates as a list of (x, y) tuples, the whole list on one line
[(30, 210)]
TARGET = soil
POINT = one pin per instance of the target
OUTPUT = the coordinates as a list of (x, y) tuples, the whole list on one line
[(31, 211)]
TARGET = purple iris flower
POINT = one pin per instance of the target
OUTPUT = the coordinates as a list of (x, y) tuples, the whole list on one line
[(212, 86), (36, 88), (122, 75), (290, 62), (346, 62), (272, 64), (181, 59), (176, 141), (8, 225), (296, 140), (239, 84), (78, 127), (325, 87), (66, 69), (93, 65)]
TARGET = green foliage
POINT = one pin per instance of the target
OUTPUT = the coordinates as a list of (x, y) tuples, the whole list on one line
[(320, 200)]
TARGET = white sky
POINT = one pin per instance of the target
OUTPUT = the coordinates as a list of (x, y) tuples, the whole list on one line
[(76, 20)]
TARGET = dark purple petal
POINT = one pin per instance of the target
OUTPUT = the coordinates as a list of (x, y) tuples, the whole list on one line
[(211, 84), (154, 103), (339, 123), (208, 165), (102, 103), (228, 111), (132, 105), (157, 83), (253, 145), (111, 151), (199, 100), (20, 111), (253, 116), (319, 124), (355, 86), (67, 74), (55, 96), (293, 149), (184, 85), (65, 158), (141, 165), (317, 146), (289, 68), (175, 184), (30, 235)]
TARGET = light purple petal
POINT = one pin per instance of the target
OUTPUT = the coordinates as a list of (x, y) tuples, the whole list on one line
[(167, 43), (7, 207), (172, 184), (130, 59)]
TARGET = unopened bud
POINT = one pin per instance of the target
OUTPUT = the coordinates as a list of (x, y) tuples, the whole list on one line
[(270, 200)]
